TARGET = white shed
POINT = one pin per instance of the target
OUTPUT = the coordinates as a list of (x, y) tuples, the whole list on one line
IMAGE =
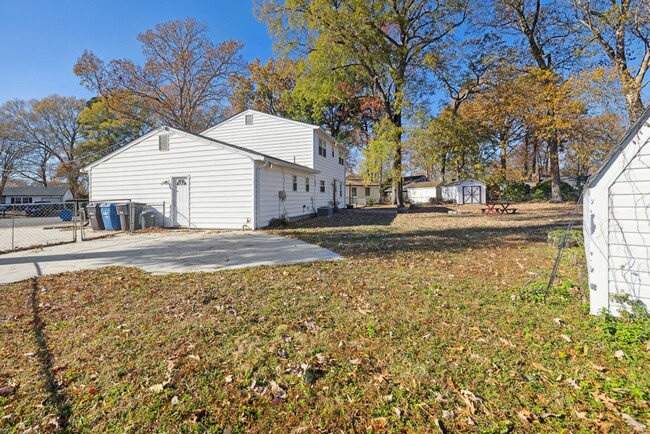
[(617, 223), (423, 192), (467, 191)]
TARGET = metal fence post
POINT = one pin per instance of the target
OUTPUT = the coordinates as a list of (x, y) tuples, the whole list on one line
[(13, 230)]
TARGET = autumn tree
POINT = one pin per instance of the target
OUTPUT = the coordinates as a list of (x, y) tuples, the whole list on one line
[(621, 28), (184, 82), (387, 42), (104, 130), (546, 34), (12, 151)]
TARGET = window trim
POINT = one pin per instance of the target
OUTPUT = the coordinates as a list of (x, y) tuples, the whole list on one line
[(353, 192), (322, 186), (307, 184), (295, 182), (367, 191)]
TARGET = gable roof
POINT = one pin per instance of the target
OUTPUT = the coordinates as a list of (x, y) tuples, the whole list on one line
[(611, 157), (35, 191), (357, 180), (424, 184), (462, 181), (251, 111), (254, 155)]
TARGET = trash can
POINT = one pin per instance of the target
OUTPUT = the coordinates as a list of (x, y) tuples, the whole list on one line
[(110, 217), (65, 215), (94, 212), (148, 219), (124, 210)]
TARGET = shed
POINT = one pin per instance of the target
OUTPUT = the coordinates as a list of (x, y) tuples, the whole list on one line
[(423, 192), (617, 223), (467, 191)]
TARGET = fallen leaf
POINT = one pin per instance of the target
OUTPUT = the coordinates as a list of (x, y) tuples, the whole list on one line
[(7, 390), (175, 400), (526, 415), (228, 379), (633, 423), (541, 367), (572, 383), (619, 354), (598, 367), (558, 321), (157, 387), (566, 338), (364, 311)]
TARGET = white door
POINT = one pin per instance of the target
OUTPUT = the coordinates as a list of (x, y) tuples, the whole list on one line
[(180, 202)]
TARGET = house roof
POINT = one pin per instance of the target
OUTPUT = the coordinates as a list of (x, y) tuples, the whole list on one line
[(247, 111), (357, 180), (35, 191), (627, 138), (238, 149), (463, 181), (424, 184)]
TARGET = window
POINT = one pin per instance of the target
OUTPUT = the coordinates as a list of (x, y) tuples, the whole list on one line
[(249, 120), (322, 148), (322, 186), (295, 183), (340, 189), (20, 200), (307, 184), (367, 191), (341, 159), (332, 151), (163, 142), (354, 191)]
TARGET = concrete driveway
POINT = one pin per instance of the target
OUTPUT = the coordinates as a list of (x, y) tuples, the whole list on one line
[(163, 252)]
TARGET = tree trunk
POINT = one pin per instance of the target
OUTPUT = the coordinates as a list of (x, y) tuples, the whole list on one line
[(553, 151), (398, 198), (633, 103), (502, 159)]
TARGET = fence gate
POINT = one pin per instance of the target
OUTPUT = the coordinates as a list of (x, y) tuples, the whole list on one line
[(472, 194)]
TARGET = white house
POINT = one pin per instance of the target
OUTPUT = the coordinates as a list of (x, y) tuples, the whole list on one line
[(617, 223), (240, 173), (22, 195), (467, 191), (361, 193), (423, 192)]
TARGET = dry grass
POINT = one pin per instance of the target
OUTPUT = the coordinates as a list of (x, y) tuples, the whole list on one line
[(429, 326)]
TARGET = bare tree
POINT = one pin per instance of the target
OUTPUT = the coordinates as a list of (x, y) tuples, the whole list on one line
[(622, 29), (11, 152), (184, 82)]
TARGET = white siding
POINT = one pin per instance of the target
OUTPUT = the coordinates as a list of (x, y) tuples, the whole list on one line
[(629, 227), (270, 135), (331, 172), (220, 181), (422, 195), (273, 180)]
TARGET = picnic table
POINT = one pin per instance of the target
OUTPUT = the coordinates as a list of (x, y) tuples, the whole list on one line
[(498, 208)]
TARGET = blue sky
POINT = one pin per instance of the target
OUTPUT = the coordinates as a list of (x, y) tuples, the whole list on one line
[(40, 41)]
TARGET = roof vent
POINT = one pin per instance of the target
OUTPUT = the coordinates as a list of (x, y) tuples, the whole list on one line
[(249, 119), (163, 142)]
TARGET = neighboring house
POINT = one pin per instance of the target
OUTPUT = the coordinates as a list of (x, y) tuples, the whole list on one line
[(617, 224), (467, 191), (424, 192), (360, 193), (407, 181), (23, 195), (243, 172)]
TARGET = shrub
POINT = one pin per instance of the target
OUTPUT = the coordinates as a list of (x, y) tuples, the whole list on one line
[(370, 202), (279, 222), (542, 191), (574, 238), (516, 192)]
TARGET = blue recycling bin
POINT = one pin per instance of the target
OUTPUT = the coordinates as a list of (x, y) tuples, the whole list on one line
[(65, 215), (110, 217)]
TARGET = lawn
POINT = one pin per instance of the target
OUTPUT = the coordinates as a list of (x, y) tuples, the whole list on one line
[(434, 323)]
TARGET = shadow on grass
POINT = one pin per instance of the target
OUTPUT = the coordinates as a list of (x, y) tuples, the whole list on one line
[(56, 398), (348, 238)]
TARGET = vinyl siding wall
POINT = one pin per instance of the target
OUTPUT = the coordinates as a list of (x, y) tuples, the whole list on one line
[(629, 230), (220, 181), (330, 171), (269, 135), (273, 180), (422, 195)]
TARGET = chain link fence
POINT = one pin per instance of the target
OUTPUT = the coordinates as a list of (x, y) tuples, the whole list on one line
[(37, 224)]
